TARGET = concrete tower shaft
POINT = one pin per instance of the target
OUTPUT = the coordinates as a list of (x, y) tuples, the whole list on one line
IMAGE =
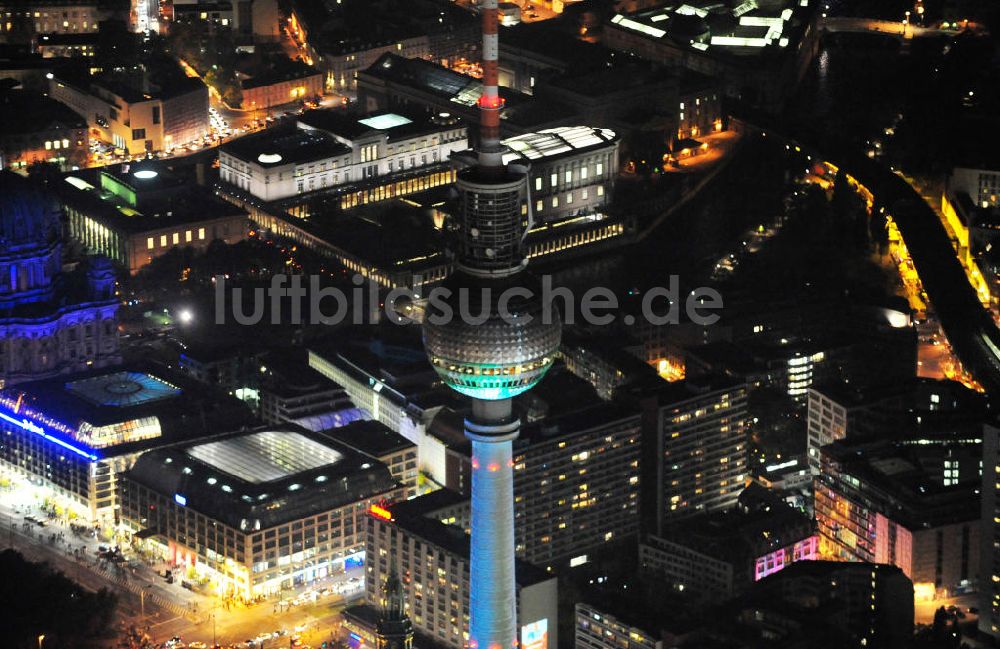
[(492, 595)]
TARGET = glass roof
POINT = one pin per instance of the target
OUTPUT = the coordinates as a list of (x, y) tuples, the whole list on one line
[(122, 389), (385, 122), (554, 141), (265, 456)]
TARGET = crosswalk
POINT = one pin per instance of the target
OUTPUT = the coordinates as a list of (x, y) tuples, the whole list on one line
[(151, 598)]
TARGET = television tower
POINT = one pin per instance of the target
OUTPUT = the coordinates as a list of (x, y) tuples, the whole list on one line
[(492, 360)]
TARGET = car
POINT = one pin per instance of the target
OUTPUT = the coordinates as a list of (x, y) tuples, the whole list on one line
[(197, 644)]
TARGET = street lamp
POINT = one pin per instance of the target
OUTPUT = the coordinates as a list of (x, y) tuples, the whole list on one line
[(41, 639)]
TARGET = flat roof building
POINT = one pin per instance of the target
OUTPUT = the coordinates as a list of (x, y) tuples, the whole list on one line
[(255, 511), (134, 213), (79, 433), (35, 128), (388, 447), (330, 150), (720, 554), (154, 108), (913, 502), (432, 561)]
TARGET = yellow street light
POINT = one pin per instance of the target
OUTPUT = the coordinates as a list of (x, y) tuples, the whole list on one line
[(41, 639)]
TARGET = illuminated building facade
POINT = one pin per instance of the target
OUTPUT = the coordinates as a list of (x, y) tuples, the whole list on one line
[(425, 29), (46, 327), (327, 149), (289, 82), (20, 21), (78, 434), (133, 214), (255, 511), (596, 629), (163, 110), (717, 555), (912, 503), (433, 564), (572, 169), (698, 452), (576, 484), (250, 20), (989, 562), (34, 128), (493, 360)]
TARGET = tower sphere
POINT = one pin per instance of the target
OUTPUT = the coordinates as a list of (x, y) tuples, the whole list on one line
[(496, 356)]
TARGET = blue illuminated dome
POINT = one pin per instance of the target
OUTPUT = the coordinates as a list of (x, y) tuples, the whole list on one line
[(122, 389)]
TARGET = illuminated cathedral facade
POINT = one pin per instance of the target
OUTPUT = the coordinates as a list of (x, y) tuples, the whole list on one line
[(51, 322)]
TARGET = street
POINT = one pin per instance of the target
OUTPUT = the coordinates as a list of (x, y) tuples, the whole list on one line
[(165, 610)]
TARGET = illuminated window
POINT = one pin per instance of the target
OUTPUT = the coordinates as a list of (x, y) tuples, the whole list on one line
[(600, 168), (538, 184), (600, 190), (65, 144), (569, 198), (555, 201), (150, 243), (584, 194), (201, 234), (177, 238), (163, 241), (554, 179), (583, 172), (48, 145), (538, 206), (569, 176), (187, 236)]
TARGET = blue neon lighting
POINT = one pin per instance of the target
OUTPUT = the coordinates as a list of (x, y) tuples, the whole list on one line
[(32, 427), (180, 500)]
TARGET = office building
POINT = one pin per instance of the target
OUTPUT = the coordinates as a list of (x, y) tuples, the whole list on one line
[(391, 382), (342, 45), (839, 410), (597, 629), (989, 535), (328, 149), (48, 326), (134, 213), (432, 560), (292, 392), (695, 453), (913, 503), (156, 108), (390, 448), (78, 434), (258, 511), (760, 51), (34, 128), (719, 554)]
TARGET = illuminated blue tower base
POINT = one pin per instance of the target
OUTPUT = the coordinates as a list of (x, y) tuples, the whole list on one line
[(492, 595)]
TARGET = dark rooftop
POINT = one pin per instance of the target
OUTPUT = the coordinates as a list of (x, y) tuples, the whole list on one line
[(370, 437), (284, 145), (410, 516), (22, 113), (113, 396), (264, 477), (163, 199)]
